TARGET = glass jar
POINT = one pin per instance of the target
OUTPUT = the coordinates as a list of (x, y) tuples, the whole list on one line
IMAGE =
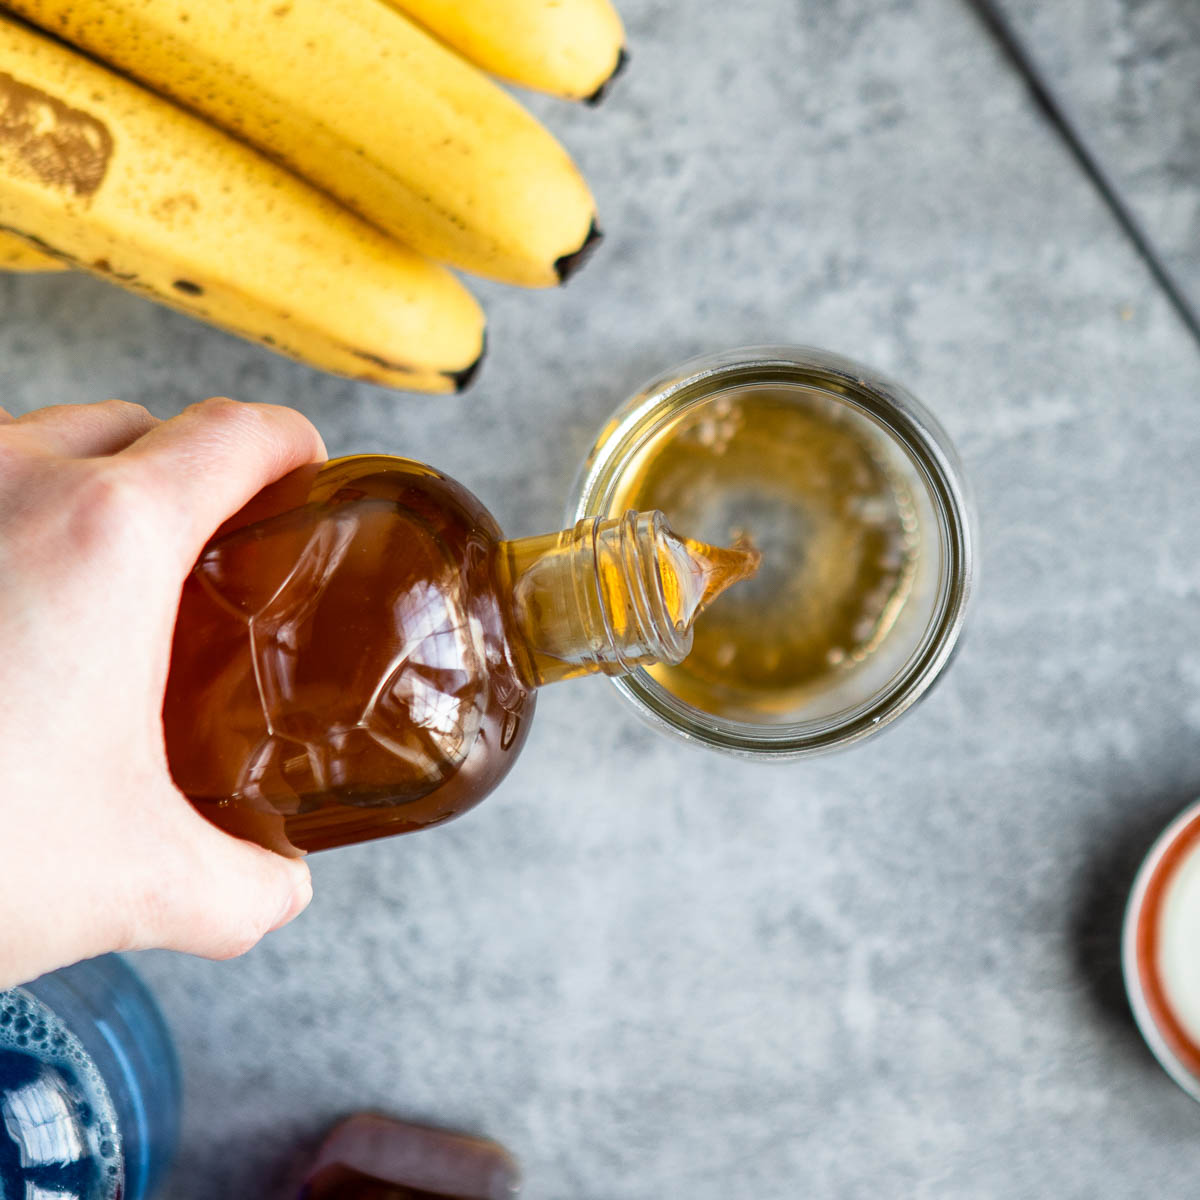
[(763, 441)]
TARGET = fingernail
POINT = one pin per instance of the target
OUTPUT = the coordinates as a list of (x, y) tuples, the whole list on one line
[(296, 903)]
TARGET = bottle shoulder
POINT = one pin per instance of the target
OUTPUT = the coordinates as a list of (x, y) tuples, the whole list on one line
[(435, 496), (435, 499)]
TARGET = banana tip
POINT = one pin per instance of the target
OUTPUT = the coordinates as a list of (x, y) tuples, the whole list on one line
[(605, 87), (566, 265), (464, 378)]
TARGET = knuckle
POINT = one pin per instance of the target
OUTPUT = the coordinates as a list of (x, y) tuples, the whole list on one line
[(273, 428), (217, 404), (110, 504), (235, 420), (221, 409), (129, 411), (111, 491)]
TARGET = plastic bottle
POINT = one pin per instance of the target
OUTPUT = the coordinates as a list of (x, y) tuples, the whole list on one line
[(89, 1086)]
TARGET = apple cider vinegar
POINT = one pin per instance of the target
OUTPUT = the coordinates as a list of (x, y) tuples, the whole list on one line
[(802, 478)]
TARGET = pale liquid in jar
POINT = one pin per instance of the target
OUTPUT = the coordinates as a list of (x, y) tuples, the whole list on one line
[(806, 480)]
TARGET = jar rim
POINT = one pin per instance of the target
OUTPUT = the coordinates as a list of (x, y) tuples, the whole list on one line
[(908, 424)]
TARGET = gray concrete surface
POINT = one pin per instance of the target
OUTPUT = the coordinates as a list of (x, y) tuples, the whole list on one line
[(1128, 74), (654, 973)]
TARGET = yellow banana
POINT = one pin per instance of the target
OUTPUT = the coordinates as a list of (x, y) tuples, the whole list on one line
[(569, 48), (122, 183), (16, 254), (361, 101)]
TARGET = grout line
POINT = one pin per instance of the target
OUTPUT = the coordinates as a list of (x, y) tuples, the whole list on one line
[(989, 12)]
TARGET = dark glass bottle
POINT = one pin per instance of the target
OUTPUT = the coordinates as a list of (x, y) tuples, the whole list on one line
[(357, 652)]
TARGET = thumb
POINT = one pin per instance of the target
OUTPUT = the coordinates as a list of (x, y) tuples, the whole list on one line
[(221, 894)]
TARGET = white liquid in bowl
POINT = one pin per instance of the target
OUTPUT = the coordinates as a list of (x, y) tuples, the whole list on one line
[(1178, 958)]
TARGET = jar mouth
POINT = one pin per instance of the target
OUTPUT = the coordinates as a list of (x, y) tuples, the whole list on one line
[(903, 422)]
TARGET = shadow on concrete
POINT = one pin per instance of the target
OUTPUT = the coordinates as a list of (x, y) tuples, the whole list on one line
[(1099, 904)]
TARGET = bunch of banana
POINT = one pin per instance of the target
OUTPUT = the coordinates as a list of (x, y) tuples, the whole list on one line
[(296, 171)]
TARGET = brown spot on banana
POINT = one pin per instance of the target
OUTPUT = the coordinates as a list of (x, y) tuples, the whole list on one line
[(44, 139), (41, 245), (104, 267), (175, 210), (459, 379), (386, 363)]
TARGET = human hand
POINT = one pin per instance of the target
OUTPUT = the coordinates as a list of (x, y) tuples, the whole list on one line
[(103, 511)]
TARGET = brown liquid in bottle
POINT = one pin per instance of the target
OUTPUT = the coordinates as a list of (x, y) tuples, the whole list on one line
[(356, 652), (341, 667)]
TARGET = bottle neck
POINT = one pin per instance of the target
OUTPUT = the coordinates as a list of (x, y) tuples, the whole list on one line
[(609, 596)]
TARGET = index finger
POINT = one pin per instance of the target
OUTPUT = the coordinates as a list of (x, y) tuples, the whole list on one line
[(207, 462)]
